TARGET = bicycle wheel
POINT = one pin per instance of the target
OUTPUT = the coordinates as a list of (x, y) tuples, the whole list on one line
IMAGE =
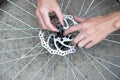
[(22, 57)]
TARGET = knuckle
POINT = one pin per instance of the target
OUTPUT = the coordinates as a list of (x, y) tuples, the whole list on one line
[(87, 32), (90, 38), (42, 10)]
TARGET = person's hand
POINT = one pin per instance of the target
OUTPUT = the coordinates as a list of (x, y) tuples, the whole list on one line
[(44, 7), (93, 30)]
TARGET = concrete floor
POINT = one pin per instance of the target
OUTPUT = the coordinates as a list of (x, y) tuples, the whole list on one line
[(9, 70)]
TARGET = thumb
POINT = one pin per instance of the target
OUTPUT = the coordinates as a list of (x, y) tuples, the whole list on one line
[(79, 19)]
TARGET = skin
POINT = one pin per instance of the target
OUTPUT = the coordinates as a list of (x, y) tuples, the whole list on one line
[(94, 30), (91, 30), (44, 7)]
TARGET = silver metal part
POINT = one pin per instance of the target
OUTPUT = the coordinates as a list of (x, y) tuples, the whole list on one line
[(57, 45)]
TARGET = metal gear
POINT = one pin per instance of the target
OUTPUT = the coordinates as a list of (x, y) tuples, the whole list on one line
[(56, 43)]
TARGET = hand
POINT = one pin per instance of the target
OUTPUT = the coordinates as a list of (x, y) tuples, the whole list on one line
[(93, 30), (44, 7)]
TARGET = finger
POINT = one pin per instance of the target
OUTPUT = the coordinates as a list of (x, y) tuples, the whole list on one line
[(79, 19), (40, 21), (72, 29), (91, 44), (78, 38), (60, 16), (83, 42), (47, 23)]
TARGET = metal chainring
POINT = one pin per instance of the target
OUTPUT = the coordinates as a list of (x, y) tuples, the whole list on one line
[(56, 44)]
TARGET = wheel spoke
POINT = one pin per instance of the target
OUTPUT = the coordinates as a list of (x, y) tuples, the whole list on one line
[(81, 9), (103, 9), (31, 3), (22, 57), (42, 67), (62, 3), (21, 9), (26, 65), (112, 41), (104, 66), (11, 39), (93, 63), (44, 78), (88, 8), (3, 51), (67, 61), (76, 69), (9, 68), (108, 62), (68, 3), (15, 28), (95, 6), (17, 19), (109, 55)]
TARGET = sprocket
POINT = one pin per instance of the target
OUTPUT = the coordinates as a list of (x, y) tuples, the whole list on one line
[(55, 43)]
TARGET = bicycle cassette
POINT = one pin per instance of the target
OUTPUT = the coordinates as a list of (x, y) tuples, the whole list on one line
[(56, 43)]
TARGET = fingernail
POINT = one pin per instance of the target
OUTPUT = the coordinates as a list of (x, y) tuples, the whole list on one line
[(57, 30)]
